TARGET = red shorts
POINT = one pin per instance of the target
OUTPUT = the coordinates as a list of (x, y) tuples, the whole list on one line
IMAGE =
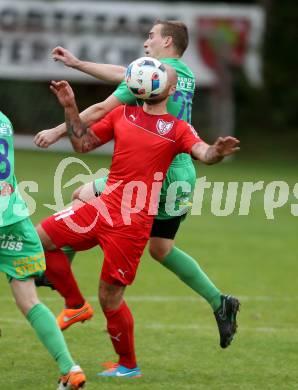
[(81, 227)]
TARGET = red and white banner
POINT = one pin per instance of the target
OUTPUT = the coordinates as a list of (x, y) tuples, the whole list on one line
[(114, 32)]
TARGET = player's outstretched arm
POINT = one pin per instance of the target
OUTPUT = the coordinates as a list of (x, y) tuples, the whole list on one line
[(113, 74), (212, 154), (82, 138), (92, 114)]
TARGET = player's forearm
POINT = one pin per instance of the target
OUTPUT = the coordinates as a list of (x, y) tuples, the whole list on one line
[(208, 154), (82, 139), (113, 74), (92, 114), (60, 130), (212, 156), (74, 126), (89, 116)]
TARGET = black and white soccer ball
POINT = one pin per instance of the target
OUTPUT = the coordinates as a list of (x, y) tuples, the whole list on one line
[(146, 77)]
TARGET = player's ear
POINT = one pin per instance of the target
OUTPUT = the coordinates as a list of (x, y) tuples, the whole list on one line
[(168, 41), (172, 90)]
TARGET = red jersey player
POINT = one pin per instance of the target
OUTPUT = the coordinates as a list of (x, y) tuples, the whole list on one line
[(146, 140)]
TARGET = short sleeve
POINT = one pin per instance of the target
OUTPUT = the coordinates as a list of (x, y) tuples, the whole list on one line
[(187, 137), (123, 94), (104, 129)]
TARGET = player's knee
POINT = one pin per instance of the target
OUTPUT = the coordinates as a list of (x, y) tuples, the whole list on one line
[(159, 251), (84, 193), (76, 194), (45, 239), (102, 297), (25, 305), (108, 301), (110, 296)]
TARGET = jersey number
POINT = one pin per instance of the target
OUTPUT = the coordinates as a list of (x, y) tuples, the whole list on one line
[(4, 162), (186, 98)]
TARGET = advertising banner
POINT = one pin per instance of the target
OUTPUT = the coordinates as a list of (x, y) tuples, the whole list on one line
[(114, 32)]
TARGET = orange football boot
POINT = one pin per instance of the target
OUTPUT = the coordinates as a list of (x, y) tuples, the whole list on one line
[(74, 379), (67, 317)]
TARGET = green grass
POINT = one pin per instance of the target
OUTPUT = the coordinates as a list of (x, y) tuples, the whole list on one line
[(176, 336)]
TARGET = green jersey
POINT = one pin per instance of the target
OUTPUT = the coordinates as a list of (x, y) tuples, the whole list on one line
[(179, 105), (12, 206)]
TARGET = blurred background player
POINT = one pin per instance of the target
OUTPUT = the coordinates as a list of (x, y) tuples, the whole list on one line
[(139, 159), (22, 258), (167, 41)]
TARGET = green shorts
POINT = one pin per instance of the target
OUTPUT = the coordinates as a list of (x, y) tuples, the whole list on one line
[(21, 252), (176, 193)]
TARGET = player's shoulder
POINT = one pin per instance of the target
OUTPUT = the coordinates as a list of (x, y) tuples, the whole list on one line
[(185, 126), (123, 94), (179, 66), (118, 111), (182, 124), (120, 88)]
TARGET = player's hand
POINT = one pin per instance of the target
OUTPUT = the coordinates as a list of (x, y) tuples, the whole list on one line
[(64, 92), (45, 138), (226, 146), (65, 56)]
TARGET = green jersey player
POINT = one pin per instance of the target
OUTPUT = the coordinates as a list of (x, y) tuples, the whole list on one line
[(167, 41), (22, 258)]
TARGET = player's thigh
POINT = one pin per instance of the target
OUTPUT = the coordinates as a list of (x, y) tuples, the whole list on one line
[(123, 248), (21, 252), (166, 228), (73, 226), (162, 236)]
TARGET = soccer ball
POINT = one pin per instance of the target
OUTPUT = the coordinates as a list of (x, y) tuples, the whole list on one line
[(146, 77)]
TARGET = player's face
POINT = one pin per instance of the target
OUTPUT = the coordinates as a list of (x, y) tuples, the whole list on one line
[(154, 44)]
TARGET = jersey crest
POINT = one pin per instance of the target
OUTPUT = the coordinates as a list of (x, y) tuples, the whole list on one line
[(164, 127)]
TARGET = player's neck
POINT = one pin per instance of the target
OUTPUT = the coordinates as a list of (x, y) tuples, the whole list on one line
[(156, 109), (168, 53)]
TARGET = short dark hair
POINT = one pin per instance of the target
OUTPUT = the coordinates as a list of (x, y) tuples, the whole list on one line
[(177, 30)]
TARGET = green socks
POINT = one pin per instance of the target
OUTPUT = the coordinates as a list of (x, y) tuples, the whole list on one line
[(189, 271), (44, 324), (70, 253)]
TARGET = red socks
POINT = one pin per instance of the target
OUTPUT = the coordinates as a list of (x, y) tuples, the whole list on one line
[(59, 272), (120, 325)]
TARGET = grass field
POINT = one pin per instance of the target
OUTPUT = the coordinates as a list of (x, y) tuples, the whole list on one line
[(176, 336)]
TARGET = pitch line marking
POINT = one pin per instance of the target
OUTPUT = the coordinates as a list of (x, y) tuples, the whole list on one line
[(182, 327), (169, 298)]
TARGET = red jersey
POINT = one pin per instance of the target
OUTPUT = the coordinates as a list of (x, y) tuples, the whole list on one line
[(145, 146)]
